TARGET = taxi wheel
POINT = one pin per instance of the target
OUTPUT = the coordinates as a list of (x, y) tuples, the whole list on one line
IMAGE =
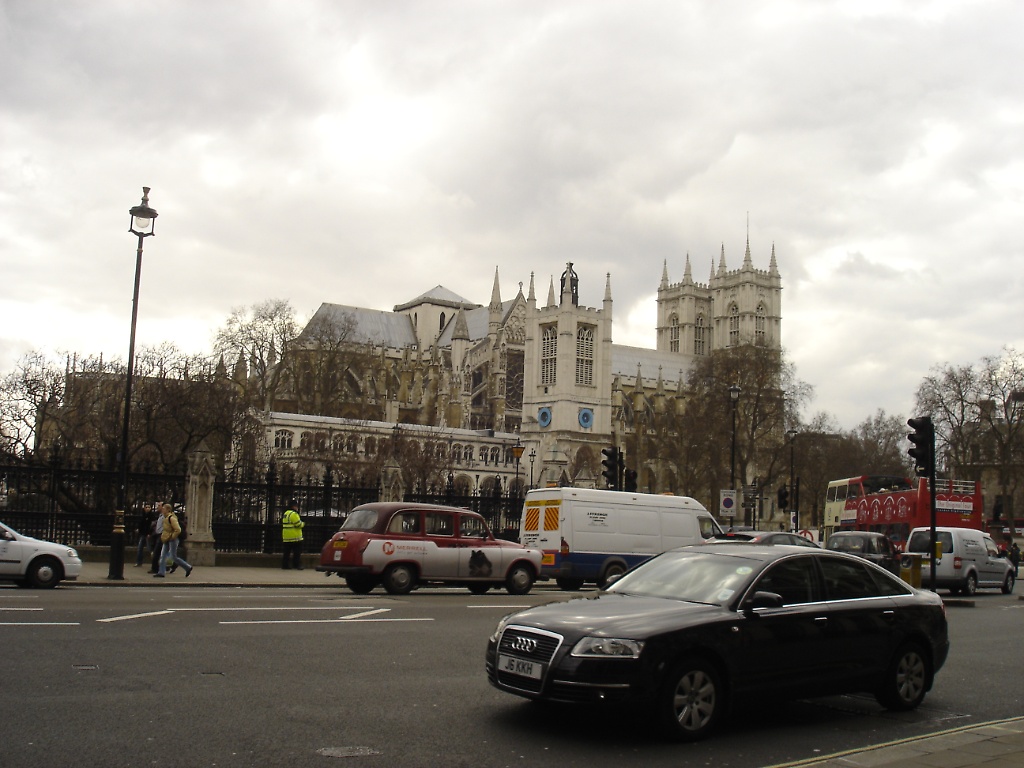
[(399, 580), (692, 700), (519, 580), (1008, 584), (906, 679), (44, 573)]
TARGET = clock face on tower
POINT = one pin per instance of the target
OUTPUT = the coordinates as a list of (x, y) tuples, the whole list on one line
[(586, 418), (544, 417)]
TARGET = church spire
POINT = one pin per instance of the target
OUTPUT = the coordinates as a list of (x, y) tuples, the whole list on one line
[(608, 286), (721, 261), (532, 297), (687, 272), (551, 292), (495, 293), (747, 261), (773, 265), (664, 275)]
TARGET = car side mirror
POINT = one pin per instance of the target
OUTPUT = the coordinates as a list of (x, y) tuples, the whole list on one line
[(763, 600)]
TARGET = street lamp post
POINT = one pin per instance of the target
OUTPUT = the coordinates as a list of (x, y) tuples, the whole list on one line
[(532, 455), (143, 224), (517, 451), (794, 518)]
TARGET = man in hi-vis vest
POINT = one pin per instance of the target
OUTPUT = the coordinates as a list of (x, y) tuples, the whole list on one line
[(291, 536)]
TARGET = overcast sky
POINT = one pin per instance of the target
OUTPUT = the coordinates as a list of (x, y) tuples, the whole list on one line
[(363, 152)]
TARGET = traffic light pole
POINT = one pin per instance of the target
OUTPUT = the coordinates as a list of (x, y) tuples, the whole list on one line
[(922, 451)]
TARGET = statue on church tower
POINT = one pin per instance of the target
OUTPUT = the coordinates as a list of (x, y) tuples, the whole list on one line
[(574, 284)]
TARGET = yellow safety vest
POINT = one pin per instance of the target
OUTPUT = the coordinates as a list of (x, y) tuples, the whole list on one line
[(291, 526)]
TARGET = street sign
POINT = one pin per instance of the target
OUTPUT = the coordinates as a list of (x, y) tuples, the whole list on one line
[(727, 504)]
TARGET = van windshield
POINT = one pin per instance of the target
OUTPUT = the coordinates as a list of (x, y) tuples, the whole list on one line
[(919, 541)]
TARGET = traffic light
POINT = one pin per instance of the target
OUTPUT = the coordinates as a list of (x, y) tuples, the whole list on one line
[(922, 449), (630, 482), (610, 462), (783, 497)]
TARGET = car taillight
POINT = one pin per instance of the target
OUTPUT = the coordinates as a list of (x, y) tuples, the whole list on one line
[(958, 563)]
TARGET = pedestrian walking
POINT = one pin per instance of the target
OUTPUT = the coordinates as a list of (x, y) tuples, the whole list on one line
[(156, 529), (169, 538), (291, 538), (143, 527), (1015, 558)]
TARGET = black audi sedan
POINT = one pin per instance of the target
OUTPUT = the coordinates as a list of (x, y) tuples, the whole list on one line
[(692, 631)]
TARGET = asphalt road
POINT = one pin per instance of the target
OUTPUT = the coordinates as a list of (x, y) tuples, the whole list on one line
[(169, 676)]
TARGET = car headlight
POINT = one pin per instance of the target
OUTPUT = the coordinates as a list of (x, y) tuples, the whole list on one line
[(72, 553), (501, 627), (608, 648)]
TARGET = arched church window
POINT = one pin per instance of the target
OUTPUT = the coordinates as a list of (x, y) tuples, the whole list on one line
[(283, 439), (760, 325), (700, 337), (585, 355), (548, 354), (734, 325), (673, 333)]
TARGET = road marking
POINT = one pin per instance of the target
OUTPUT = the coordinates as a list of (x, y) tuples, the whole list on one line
[(21, 609), (39, 623), (321, 621), (504, 607), (133, 616), (354, 619)]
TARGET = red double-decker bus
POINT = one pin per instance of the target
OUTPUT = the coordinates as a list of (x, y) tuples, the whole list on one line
[(896, 505)]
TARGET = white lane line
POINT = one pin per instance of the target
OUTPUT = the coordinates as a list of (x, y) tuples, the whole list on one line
[(271, 608), (133, 616), (505, 607), (21, 609), (321, 621), (39, 623)]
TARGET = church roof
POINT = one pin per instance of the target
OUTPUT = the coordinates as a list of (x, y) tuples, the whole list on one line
[(440, 296), (372, 326), (477, 321), (626, 359)]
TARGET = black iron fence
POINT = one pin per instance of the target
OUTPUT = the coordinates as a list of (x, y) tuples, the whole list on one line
[(247, 513), (501, 512), (74, 505)]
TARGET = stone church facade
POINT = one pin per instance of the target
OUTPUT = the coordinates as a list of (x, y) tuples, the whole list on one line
[(480, 383)]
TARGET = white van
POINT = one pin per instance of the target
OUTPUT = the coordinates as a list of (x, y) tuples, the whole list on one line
[(589, 535), (969, 559)]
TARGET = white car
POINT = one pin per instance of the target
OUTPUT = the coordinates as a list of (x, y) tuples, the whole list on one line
[(36, 563)]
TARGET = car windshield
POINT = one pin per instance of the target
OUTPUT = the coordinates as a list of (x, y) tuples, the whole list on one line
[(699, 577), (360, 520)]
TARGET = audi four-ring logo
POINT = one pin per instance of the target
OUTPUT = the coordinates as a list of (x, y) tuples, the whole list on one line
[(524, 644)]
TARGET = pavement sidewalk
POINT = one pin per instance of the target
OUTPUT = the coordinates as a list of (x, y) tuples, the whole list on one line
[(96, 573), (998, 743)]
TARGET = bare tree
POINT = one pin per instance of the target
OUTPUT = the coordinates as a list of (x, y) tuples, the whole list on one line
[(252, 343)]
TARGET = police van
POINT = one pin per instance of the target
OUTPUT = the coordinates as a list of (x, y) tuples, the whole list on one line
[(590, 535)]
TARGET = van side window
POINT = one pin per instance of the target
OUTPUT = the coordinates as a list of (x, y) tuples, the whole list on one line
[(471, 527)]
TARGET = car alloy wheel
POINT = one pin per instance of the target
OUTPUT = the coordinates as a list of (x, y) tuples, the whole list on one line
[(691, 701), (906, 679)]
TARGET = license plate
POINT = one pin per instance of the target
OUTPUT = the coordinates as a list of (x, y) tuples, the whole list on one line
[(521, 667), (548, 559), (340, 544)]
